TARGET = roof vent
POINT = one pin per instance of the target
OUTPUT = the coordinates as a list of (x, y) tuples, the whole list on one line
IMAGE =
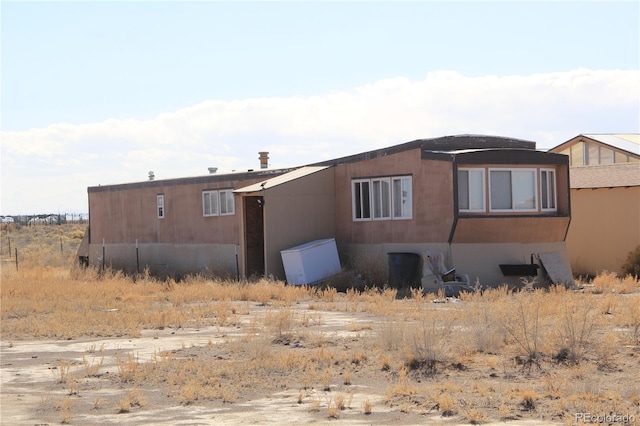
[(152, 176), (264, 159), (213, 170)]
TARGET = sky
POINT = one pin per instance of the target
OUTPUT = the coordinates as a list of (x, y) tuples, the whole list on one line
[(97, 93)]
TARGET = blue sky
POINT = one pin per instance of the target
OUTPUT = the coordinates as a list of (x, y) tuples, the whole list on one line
[(102, 92)]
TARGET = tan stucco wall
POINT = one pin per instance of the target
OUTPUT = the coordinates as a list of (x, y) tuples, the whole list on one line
[(510, 229), (432, 201), (124, 215), (605, 227)]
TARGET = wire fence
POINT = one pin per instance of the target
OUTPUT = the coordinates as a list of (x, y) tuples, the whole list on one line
[(44, 219)]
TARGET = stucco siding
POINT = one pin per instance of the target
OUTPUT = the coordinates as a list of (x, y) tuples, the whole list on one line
[(122, 216), (432, 194), (510, 229), (605, 227)]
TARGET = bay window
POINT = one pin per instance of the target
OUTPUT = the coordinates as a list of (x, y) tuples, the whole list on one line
[(548, 189), (471, 190), (512, 189)]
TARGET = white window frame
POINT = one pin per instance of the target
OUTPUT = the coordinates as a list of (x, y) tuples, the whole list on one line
[(512, 170), (160, 209), (220, 203), (210, 202), (553, 185), (483, 189), (226, 203), (380, 199), (377, 202), (357, 183), (403, 198)]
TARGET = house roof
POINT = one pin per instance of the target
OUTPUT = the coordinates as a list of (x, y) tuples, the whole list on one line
[(279, 180), (628, 142), (496, 156), (204, 179), (625, 141), (445, 143), (605, 176)]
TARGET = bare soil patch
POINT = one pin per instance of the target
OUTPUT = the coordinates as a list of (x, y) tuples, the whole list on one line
[(135, 380)]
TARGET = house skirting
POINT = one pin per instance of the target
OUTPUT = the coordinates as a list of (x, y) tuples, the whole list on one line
[(167, 259), (480, 261)]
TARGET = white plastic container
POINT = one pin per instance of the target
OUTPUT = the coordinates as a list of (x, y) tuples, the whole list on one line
[(311, 262)]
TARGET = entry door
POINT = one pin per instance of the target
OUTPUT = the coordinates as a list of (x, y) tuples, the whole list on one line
[(254, 236)]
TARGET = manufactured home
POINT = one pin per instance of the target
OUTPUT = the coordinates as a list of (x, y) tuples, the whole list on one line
[(488, 205)]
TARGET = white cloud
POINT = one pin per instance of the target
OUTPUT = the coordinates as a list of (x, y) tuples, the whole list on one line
[(50, 168)]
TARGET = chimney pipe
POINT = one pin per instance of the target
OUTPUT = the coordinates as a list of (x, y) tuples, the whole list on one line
[(264, 159)]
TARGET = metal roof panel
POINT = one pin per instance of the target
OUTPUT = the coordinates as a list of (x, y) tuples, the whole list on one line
[(279, 180), (626, 141)]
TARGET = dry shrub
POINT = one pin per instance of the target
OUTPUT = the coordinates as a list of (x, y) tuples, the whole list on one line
[(631, 265), (403, 387), (367, 407), (127, 367), (486, 328), (481, 316), (281, 324), (426, 343), (631, 318), (529, 399), (370, 270), (609, 282), (578, 325), (523, 323)]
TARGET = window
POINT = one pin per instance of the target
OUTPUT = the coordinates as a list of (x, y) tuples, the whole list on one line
[(471, 194), (592, 152), (606, 155), (210, 203), (218, 203), (382, 198), (402, 198), (227, 205), (160, 204), (361, 202), (512, 189), (577, 154), (548, 189)]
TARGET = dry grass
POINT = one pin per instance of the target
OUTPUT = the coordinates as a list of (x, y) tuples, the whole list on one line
[(493, 355)]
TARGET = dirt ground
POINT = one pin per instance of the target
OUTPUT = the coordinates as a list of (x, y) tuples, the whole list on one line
[(34, 390)]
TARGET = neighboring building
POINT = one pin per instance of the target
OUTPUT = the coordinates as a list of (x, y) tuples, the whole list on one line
[(605, 200), (594, 149), (481, 201)]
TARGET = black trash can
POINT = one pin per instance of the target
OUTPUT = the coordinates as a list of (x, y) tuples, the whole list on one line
[(404, 270)]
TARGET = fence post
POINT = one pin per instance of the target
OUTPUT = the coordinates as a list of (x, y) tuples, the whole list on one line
[(9, 239), (103, 259), (61, 250), (137, 258), (16, 258)]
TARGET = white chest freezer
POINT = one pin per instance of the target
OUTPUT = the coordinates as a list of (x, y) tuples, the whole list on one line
[(311, 262)]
